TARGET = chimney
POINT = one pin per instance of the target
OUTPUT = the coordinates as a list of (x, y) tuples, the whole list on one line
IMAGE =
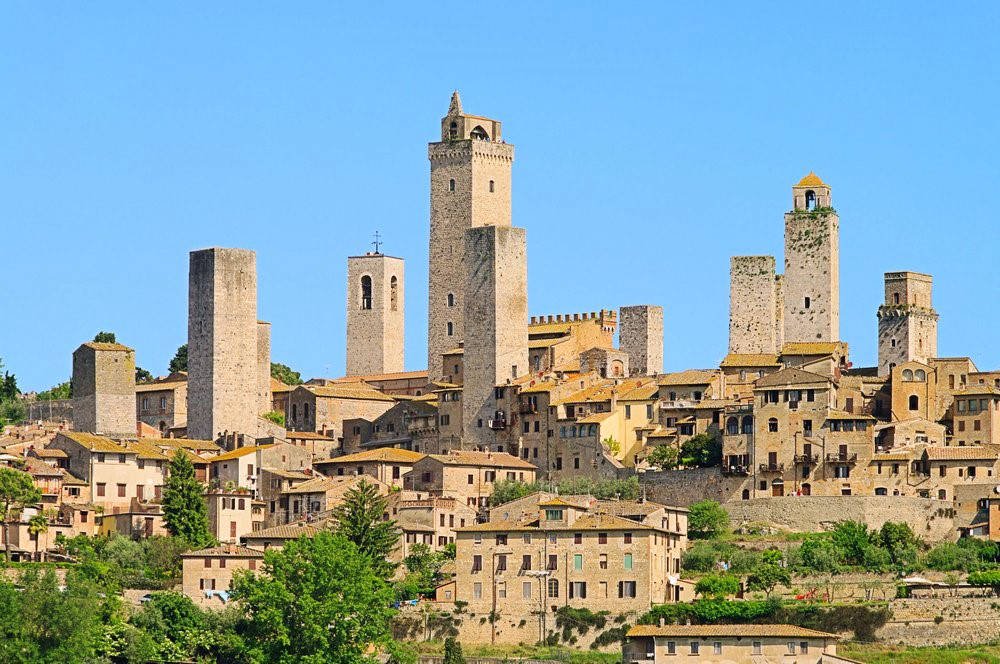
[(663, 622), (231, 548)]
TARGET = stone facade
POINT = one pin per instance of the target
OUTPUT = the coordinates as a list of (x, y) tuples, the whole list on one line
[(208, 572), (163, 404), (496, 339), (470, 187), (222, 343), (641, 336), (374, 314), (811, 287), (264, 401), (104, 389), (907, 322), (753, 305)]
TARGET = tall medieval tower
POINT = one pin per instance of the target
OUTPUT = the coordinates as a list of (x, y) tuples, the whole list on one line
[(496, 339), (641, 336), (374, 314), (754, 306), (907, 322), (470, 188), (104, 389), (223, 362), (811, 282)]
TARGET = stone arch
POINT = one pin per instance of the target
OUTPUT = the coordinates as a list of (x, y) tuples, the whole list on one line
[(732, 426), (810, 200), (393, 293), (366, 292), (914, 402), (479, 133)]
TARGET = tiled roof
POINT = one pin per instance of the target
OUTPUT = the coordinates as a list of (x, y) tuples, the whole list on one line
[(287, 531), (811, 180), (892, 456), (599, 392), (308, 435), (389, 454), (977, 390), (631, 507), (102, 345), (595, 418), (322, 484), (791, 377), (556, 501), (240, 452), (361, 391), (843, 415), (226, 552), (813, 347), (637, 389), (186, 443), (51, 453), (688, 377), (93, 442), (158, 387), (968, 452), (146, 451), (760, 631), (399, 375), (486, 459), (586, 521), (749, 360), (547, 343)]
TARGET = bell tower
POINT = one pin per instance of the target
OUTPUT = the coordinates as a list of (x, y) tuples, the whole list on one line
[(470, 187)]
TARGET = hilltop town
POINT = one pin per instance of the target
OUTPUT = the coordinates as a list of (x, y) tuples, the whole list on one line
[(546, 459)]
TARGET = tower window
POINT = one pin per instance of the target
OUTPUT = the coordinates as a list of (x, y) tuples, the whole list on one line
[(492, 187), (893, 343), (366, 292), (808, 302), (914, 402), (451, 184), (393, 289), (453, 130), (451, 299), (451, 329), (479, 134), (895, 298), (810, 200)]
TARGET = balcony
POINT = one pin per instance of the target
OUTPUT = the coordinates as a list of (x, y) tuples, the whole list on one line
[(771, 467), (528, 408), (842, 458), (736, 469), (806, 459), (499, 421)]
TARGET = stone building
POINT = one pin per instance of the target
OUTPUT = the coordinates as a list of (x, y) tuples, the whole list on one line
[(496, 334), (811, 281), (466, 476), (641, 336), (753, 306), (555, 342), (730, 644), (207, 574), (907, 322), (324, 408), (223, 362), (162, 404), (104, 389), (264, 399), (470, 187), (374, 314), (230, 514)]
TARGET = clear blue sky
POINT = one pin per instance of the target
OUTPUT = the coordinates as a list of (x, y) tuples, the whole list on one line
[(653, 141)]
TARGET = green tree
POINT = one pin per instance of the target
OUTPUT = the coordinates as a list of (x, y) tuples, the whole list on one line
[(703, 450), (817, 554), (60, 391), (285, 374), (505, 491), (359, 519), (453, 651), (275, 416), (718, 586), (37, 525), (17, 491), (769, 573), (8, 386), (707, 519), (663, 456), (105, 338), (184, 510), (423, 567), (900, 543), (318, 600), (949, 556), (64, 624), (143, 376), (179, 362)]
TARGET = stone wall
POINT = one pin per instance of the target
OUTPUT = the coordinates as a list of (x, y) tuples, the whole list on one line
[(641, 336), (752, 305), (222, 343), (939, 621), (812, 259), (375, 324), (104, 389), (264, 401), (684, 487), (496, 308), (470, 187)]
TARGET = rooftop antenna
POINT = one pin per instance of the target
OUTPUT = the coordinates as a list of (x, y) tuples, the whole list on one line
[(378, 242)]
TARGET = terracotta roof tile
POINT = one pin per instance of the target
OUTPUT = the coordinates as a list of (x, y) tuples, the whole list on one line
[(388, 454), (485, 459), (749, 360), (688, 377), (225, 552), (762, 631), (240, 452)]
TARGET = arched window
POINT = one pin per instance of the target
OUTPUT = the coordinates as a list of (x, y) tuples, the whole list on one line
[(810, 200), (393, 293), (907, 374), (492, 189), (451, 299), (295, 411), (366, 292), (451, 329), (746, 426), (772, 425), (479, 134), (453, 130), (914, 402), (895, 298), (732, 426), (920, 374), (451, 184), (305, 412)]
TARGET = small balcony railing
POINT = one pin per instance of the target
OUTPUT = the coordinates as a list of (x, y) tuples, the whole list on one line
[(772, 467), (835, 457), (736, 469), (807, 459)]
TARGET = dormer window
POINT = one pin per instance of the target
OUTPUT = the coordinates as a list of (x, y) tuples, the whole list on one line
[(553, 515)]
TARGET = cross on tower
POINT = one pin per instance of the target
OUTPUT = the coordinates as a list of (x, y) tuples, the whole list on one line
[(378, 242)]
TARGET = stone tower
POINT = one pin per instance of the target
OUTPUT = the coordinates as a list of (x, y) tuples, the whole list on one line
[(470, 187), (907, 322), (641, 336), (754, 305), (496, 338), (223, 364), (104, 390), (263, 367), (812, 264), (374, 314)]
